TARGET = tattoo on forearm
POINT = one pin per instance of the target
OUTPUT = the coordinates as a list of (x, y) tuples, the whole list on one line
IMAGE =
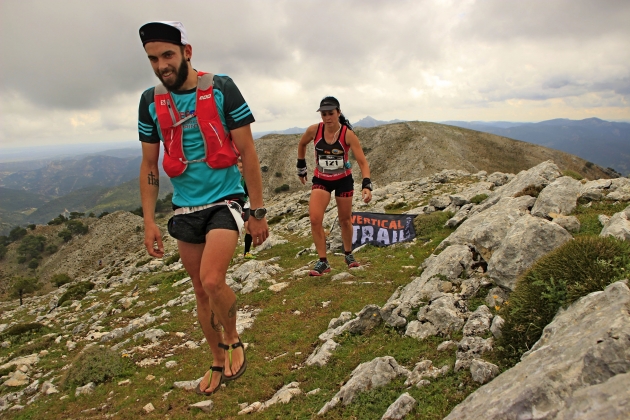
[(153, 180), (215, 326), (232, 311)]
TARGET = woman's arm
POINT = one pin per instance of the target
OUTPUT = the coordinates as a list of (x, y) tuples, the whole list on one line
[(307, 137), (355, 145)]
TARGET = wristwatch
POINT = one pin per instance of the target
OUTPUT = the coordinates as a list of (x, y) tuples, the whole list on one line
[(259, 213)]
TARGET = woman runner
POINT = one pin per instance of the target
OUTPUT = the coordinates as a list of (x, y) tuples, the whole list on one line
[(333, 139)]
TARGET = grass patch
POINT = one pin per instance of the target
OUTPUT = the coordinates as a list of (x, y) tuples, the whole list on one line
[(428, 224), (76, 292), (395, 206), (275, 219), (579, 267), (140, 263), (167, 278), (588, 216), (96, 364), (572, 174), (172, 259), (478, 198)]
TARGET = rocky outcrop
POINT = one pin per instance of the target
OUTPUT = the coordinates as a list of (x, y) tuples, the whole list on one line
[(618, 225), (559, 197), (583, 355)]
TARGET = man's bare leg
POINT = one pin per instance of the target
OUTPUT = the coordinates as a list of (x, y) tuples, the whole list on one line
[(217, 254), (191, 255)]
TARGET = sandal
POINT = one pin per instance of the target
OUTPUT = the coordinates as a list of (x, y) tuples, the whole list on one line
[(229, 348), (212, 370)]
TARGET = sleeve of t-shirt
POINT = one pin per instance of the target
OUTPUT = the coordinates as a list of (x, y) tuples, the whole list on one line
[(235, 110), (147, 129)]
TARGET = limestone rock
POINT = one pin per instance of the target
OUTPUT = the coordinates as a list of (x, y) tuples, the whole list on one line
[(206, 406), (527, 240), (470, 348), (482, 371), (570, 223), (540, 175), (579, 356), (85, 390), (400, 408), (369, 375), (367, 319), (425, 369), (559, 197), (479, 322), (322, 354), (618, 225), (497, 326)]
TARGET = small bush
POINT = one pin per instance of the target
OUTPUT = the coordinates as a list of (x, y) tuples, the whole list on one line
[(32, 226), (96, 364), (589, 164), (65, 234), (275, 219), (168, 277), (21, 259), (3, 251), (143, 262), (58, 220), (579, 267), (76, 227), (21, 329), (172, 259), (395, 206), (33, 264), (426, 224), (76, 292), (278, 174), (35, 347), (478, 198), (51, 248), (264, 168), (60, 279), (532, 190), (17, 233), (281, 188), (572, 174), (105, 213)]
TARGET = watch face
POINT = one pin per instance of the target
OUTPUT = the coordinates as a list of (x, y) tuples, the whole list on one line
[(260, 213)]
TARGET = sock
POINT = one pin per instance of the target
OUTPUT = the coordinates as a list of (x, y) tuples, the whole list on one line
[(248, 242), (324, 259), (347, 252)]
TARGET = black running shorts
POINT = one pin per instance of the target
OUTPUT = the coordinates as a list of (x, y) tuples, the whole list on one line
[(343, 187), (193, 227)]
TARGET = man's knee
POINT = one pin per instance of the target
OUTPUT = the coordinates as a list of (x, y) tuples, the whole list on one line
[(213, 283)]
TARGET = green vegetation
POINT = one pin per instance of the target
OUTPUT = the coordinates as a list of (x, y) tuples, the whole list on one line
[(24, 286), (278, 174), (428, 224), (532, 191), (76, 227), (24, 332), (96, 364), (478, 198), (76, 292), (172, 259), (282, 188), (396, 206), (60, 279), (572, 174), (264, 168), (144, 262), (76, 215), (59, 220), (16, 234), (579, 267), (65, 234), (31, 246), (105, 213), (588, 216), (275, 219), (3, 251)]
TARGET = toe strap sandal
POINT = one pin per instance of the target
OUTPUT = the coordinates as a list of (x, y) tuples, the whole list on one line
[(229, 348), (212, 370)]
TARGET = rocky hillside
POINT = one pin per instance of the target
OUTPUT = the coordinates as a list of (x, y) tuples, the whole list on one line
[(410, 334), (409, 150)]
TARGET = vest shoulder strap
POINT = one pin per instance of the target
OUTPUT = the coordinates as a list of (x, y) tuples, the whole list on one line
[(205, 82)]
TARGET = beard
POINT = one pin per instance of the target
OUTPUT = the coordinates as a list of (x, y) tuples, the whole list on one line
[(181, 74)]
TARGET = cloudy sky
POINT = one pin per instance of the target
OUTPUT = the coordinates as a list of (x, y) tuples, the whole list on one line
[(73, 71)]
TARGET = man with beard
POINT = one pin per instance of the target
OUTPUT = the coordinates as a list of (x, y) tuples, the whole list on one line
[(203, 122)]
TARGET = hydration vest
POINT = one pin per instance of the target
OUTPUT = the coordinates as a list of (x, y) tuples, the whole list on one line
[(334, 166), (219, 148)]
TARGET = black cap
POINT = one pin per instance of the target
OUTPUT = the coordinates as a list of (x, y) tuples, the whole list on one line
[(170, 31), (328, 104)]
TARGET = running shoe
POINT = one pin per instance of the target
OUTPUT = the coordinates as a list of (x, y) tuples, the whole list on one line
[(322, 267), (249, 256), (351, 261)]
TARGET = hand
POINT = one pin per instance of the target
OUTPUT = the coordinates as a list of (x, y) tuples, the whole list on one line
[(153, 240), (303, 180), (258, 229), (366, 194)]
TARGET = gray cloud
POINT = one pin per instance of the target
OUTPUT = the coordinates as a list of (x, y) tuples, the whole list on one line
[(73, 70)]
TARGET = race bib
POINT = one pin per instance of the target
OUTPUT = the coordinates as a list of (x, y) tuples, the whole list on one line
[(330, 162)]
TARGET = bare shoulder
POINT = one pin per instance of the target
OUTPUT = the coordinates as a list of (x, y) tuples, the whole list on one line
[(351, 138), (309, 134)]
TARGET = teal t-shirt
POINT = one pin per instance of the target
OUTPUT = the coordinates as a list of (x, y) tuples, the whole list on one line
[(199, 184)]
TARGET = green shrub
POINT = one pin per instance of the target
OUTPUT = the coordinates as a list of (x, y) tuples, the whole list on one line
[(23, 286), (579, 267), (395, 206), (76, 227), (17, 233), (572, 174), (3, 251), (51, 249), (32, 226), (168, 277), (60, 279), (478, 198), (143, 262), (76, 292), (22, 329), (65, 234), (172, 259), (264, 168), (275, 219), (281, 188), (58, 220), (278, 174), (589, 164), (426, 224), (31, 246), (96, 364), (33, 264), (105, 213), (36, 346), (21, 259)]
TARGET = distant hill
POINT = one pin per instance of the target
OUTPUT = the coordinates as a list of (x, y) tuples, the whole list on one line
[(125, 196), (293, 130), (602, 142), (62, 177), (369, 122), (408, 150)]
